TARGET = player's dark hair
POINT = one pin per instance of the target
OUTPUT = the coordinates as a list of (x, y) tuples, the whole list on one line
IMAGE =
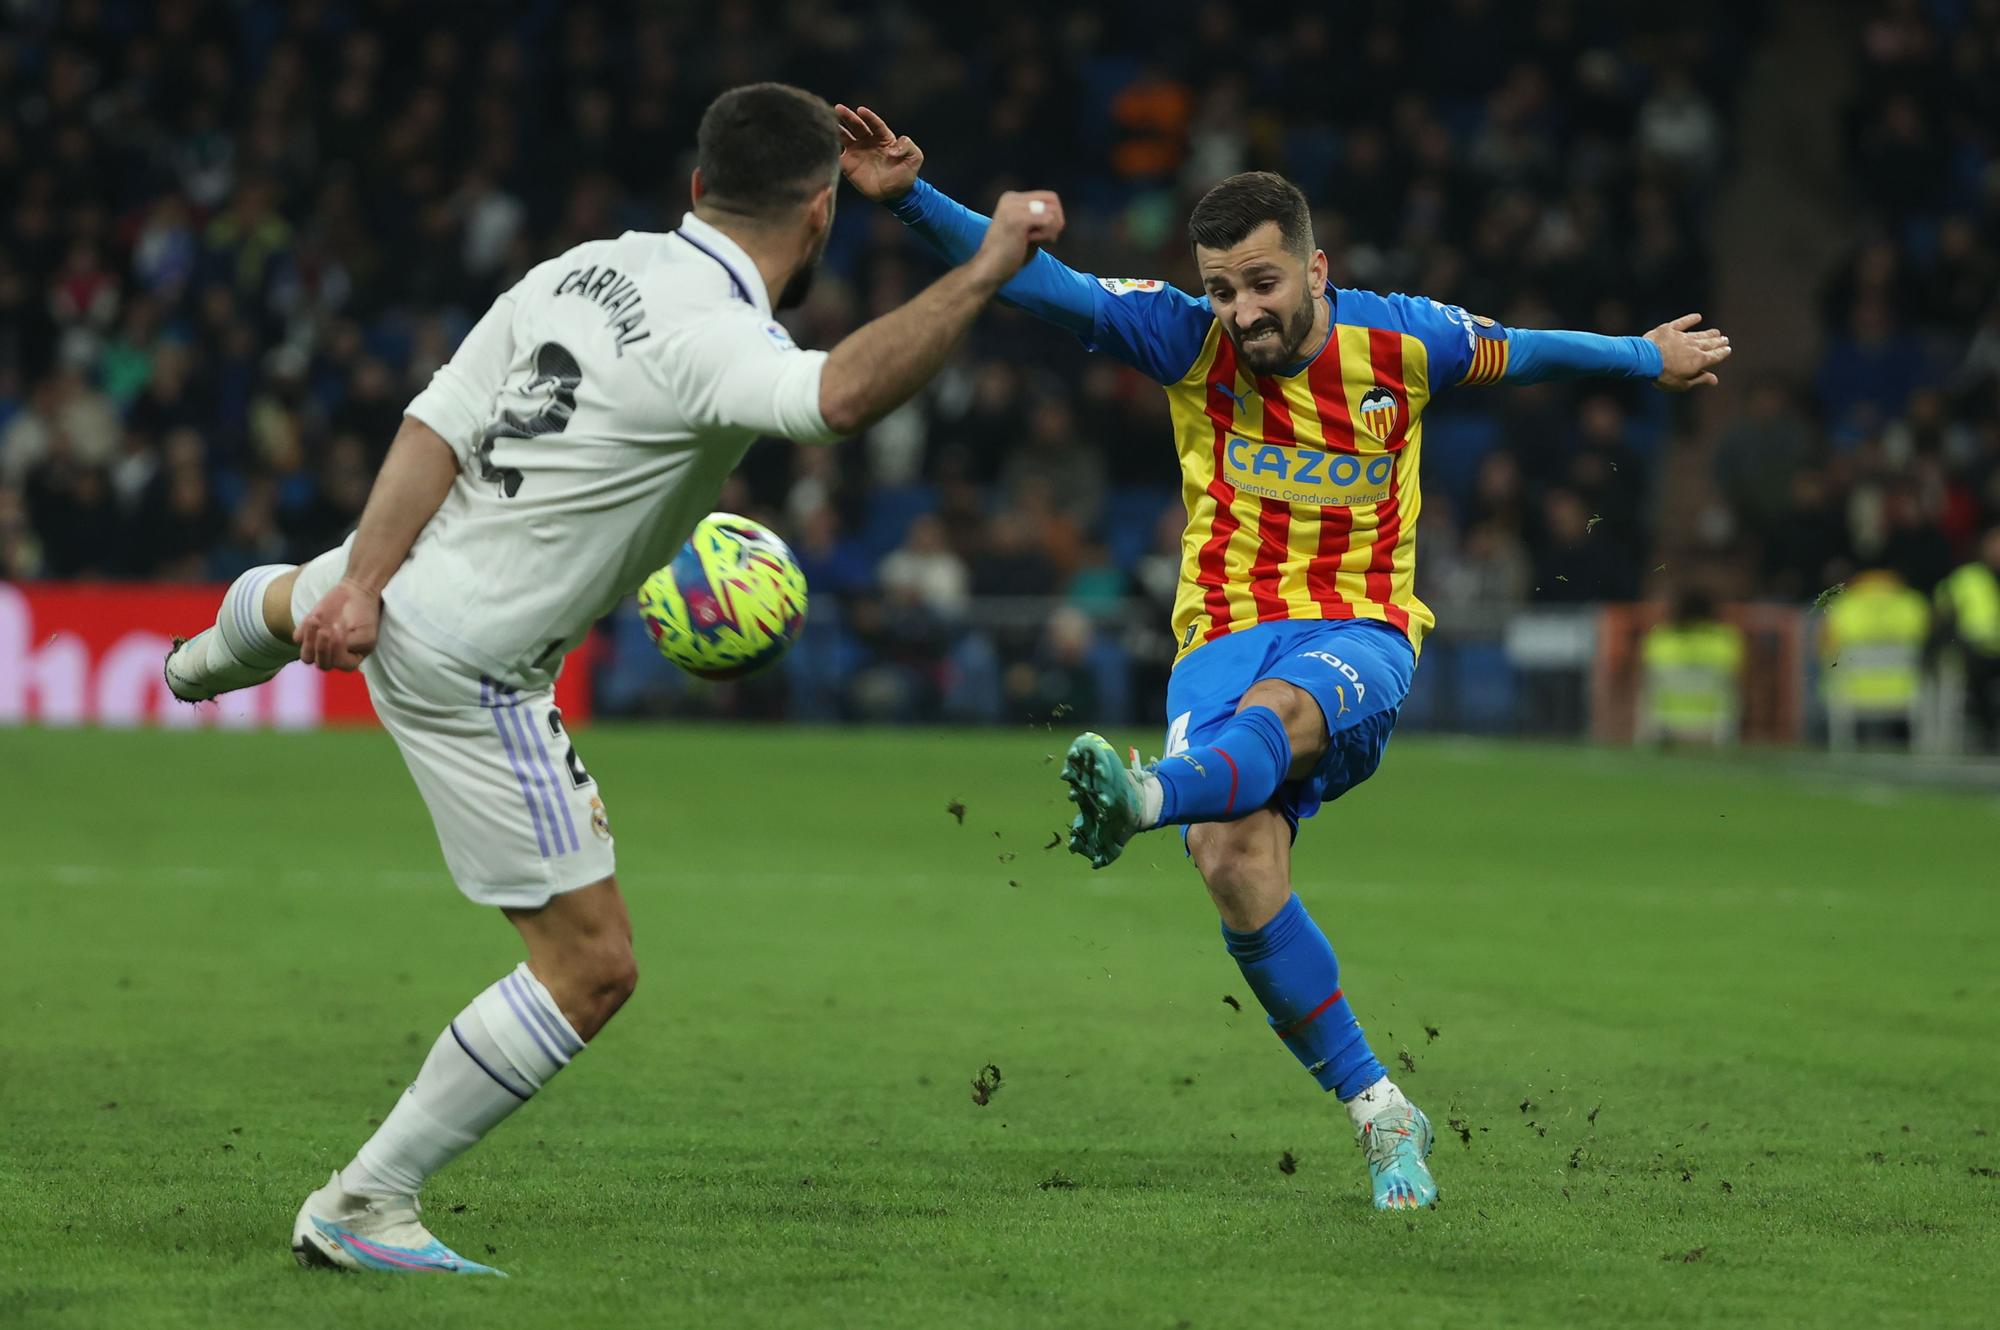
[(1244, 202), (765, 147)]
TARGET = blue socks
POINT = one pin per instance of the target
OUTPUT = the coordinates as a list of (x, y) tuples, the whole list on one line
[(1288, 962), (1291, 968), (1235, 775)]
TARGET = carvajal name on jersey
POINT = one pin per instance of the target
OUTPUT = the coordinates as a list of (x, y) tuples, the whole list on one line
[(617, 294)]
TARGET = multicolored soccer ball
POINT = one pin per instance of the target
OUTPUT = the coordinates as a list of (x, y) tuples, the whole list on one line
[(731, 601)]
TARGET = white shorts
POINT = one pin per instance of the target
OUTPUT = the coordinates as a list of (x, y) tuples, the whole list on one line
[(518, 817)]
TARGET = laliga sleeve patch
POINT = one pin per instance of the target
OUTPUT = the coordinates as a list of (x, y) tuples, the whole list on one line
[(779, 337), (1125, 286), (1475, 325)]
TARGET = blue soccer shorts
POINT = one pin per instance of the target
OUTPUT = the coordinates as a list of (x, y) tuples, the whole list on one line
[(1358, 670)]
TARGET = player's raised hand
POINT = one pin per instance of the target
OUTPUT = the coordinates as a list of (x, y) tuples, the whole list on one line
[(1688, 356), (1021, 221), (875, 160), (340, 631)]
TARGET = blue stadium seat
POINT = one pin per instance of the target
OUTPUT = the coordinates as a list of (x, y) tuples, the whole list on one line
[(1482, 685), (1129, 517), (1456, 441), (890, 512)]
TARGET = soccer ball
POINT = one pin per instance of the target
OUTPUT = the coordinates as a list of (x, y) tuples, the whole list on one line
[(730, 602)]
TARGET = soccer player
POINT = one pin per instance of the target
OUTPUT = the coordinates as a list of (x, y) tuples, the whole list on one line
[(1297, 411), (569, 447)]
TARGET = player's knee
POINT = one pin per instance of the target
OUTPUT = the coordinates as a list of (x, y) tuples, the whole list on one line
[(1296, 709), (606, 969), (1247, 878), (618, 975), (596, 980), (1228, 861)]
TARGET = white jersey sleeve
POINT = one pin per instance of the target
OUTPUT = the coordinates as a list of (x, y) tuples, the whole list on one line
[(458, 403), (741, 371)]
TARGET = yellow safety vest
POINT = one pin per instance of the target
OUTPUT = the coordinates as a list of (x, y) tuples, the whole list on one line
[(1874, 644), (1972, 595), (1691, 676)]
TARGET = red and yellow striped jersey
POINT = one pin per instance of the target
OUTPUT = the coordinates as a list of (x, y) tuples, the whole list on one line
[(1301, 488)]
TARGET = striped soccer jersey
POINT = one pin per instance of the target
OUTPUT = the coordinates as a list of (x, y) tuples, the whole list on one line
[(1301, 488)]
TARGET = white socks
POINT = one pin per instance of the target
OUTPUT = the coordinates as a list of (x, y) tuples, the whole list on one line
[(241, 651), (1152, 796), (486, 1064), (1377, 1098)]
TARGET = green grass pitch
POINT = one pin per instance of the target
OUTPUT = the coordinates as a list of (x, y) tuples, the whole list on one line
[(1722, 1041)]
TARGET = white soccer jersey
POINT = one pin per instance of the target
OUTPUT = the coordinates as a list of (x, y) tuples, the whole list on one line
[(595, 411)]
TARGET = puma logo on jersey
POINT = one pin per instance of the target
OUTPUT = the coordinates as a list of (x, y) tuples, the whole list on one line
[(1232, 395)]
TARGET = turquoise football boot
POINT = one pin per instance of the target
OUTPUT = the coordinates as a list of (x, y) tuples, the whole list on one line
[(336, 1230), (1107, 796), (1396, 1143)]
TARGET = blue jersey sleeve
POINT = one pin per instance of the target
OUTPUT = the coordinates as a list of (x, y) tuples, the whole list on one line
[(1541, 356), (1150, 325), (1445, 331), (1469, 349)]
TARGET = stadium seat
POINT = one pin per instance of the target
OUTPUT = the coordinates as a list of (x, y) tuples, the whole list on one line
[(890, 512)]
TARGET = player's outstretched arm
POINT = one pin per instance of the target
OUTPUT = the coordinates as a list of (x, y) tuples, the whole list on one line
[(1676, 356), (883, 166), (1150, 325), (415, 477), (883, 363)]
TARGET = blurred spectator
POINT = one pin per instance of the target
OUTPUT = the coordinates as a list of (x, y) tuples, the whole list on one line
[(1679, 127), (20, 548), (924, 571), (342, 491), (63, 407), (80, 529), (179, 524), (1871, 647), (1913, 545), (1489, 570), (1013, 564), (1693, 666), (1868, 374), (1757, 456), (834, 565), (1053, 463), (1570, 566), (252, 538), (1059, 679), (1968, 621), (1808, 549)]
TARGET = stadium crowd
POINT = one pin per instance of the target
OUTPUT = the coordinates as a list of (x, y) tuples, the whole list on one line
[(239, 236), (1890, 458)]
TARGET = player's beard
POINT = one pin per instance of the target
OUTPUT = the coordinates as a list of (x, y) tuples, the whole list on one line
[(1273, 354), (799, 285)]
